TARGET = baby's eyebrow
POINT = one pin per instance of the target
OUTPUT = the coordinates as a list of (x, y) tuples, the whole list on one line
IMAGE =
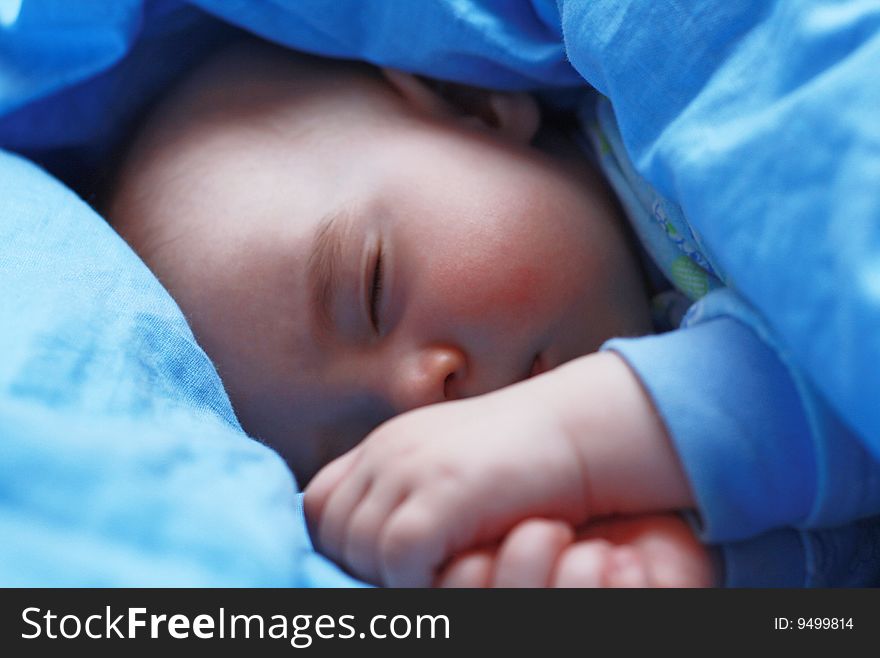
[(323, 270)]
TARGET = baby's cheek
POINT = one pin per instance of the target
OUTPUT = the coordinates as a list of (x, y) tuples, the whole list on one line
[(483, 290), (520, 291)]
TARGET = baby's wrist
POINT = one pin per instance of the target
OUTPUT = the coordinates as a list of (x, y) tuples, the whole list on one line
[(625, 452)]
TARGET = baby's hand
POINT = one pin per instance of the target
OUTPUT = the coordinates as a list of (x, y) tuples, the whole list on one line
[(579, 442), (444, 478), (646, 551)]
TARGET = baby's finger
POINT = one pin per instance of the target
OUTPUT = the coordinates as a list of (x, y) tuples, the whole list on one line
[(335, 517), (360, 544), (627, 568), (584, 564), (322, 485), (674, 555), (472, 569), (412, 545), (529, 553)]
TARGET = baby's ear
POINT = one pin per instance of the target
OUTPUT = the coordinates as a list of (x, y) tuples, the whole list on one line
[(513, 114)]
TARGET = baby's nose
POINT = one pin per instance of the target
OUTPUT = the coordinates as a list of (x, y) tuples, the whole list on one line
[(428, 375)]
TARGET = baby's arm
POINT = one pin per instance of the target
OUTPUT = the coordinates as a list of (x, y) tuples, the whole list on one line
[(579, 442)]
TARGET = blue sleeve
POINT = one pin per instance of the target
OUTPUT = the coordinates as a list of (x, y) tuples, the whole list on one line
[(737, 422), (847, 556)]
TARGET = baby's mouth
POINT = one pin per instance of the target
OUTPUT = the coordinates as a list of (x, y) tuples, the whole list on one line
[(539, 365)]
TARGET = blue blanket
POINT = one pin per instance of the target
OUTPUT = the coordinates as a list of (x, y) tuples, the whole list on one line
[(118, 442), (121, 460)]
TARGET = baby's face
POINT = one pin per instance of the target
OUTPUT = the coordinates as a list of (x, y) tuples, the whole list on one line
[(344, 257)]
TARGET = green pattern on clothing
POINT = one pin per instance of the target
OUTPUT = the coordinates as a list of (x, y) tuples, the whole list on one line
[(689, 277)]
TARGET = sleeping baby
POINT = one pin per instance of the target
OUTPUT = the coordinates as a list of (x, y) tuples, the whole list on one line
[(353, 246)]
